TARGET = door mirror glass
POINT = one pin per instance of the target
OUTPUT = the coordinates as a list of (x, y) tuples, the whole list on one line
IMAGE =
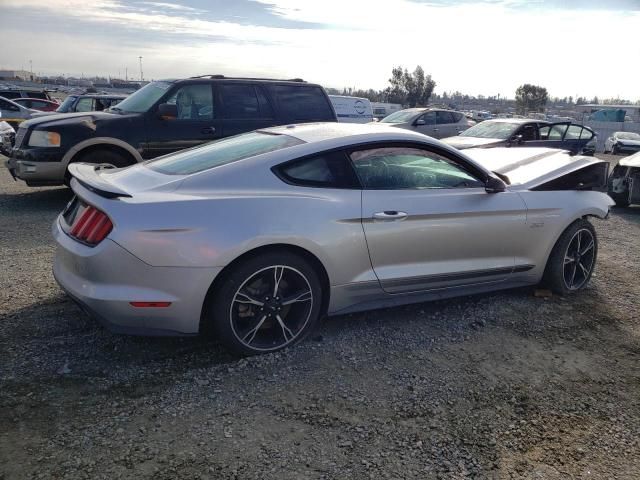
[(168, 111), (494, 185), (420, 122), (516, 139)]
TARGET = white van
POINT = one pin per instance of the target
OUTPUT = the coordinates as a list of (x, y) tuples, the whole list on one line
[(352, 109)]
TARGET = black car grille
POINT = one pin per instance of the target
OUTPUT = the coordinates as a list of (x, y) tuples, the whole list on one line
[(20, 137)]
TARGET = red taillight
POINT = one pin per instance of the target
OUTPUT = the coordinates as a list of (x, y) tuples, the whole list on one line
[(91, 226)]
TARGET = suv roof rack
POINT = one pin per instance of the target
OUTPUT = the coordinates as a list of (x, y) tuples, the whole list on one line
[(250, 78)]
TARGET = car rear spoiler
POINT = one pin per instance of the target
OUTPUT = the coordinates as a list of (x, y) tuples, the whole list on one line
[(88, 175)]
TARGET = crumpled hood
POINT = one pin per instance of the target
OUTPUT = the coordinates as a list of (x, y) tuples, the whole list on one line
[(461, 142), (529, 167)]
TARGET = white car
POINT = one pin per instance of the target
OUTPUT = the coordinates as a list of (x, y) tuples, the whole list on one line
[(621, 142), (257, 236), (624, 182)]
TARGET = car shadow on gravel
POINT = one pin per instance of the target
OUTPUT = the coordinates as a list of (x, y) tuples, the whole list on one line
[(44, 200)]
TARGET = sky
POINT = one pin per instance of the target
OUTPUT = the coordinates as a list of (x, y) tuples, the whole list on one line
[(479, 47)]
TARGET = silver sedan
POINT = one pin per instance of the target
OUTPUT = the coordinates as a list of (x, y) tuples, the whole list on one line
[(257, 236)]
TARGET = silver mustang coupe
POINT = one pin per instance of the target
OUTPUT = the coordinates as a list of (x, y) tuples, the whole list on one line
[(257, 236)]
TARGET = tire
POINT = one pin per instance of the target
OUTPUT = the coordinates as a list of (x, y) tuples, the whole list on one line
[(566, 272), (100, 156), (250, 320), (614, 150)]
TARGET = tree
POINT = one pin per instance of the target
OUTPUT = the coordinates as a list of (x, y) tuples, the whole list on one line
[(531, 98), (409, 88)]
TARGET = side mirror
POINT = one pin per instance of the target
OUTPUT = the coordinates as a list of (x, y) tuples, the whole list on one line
[(420, 122), (516, 139), (168, 111), (494, 185)]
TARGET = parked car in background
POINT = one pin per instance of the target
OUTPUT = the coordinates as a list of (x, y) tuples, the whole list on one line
[(480, 116), (381, 109), (7, 134), (12, 93), (624, 182), (352, 109), (12, 113), (37, 104), (433, 122), (160, 118), (256, 237), (622, 142), (515, 132), (89, 103)]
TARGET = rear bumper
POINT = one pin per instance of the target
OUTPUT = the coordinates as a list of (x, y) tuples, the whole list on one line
[(104, 279)]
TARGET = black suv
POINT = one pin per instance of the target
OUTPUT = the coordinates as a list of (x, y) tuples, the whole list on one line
[(160, 118)]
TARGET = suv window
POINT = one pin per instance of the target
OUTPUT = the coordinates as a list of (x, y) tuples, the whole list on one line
[(302, 103), (457, 116), (85, 105), (429, 118), (244, 101), (40, 95), (396, 168), (328, 170), (444, 117), (194, 102), (10, 94)]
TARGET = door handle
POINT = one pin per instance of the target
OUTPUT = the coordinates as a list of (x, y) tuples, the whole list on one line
[(208, 130), (390, 215)]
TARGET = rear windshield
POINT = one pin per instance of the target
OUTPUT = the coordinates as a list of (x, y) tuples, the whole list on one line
[(302, 103), (221, 152), (491, 129)]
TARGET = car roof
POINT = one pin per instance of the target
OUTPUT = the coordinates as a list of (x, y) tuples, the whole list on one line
[(222, 78), (34, 98), (99, 95), (518, 120), (316, 132)]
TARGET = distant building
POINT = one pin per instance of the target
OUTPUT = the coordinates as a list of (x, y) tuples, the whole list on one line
[(17, 75)]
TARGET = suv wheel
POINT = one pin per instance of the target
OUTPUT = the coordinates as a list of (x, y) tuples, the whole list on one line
[(108, 157)]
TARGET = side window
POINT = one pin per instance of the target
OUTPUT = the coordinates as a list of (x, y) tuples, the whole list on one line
[(529, 132), (85, 105), (443, 117), (37, 104), (586, 134), (573, 132), (302, 103), (10, 95), (556, 132), (396, 168), (243, 101), (194, 102), (328, 170), (429, 118), (544, 132), (457, 116)]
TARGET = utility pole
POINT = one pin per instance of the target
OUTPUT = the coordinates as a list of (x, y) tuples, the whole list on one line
[(141, 78)]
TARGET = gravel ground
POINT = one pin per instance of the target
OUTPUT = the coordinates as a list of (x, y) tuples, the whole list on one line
[(506, 385)]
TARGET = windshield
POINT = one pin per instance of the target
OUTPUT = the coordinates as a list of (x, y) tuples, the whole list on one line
[(221, 152), (141, 100), (65, 107), (400, 117), (628, 136), (489, 129)]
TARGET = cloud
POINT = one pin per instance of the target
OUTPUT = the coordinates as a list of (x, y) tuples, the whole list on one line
[(485, 47)]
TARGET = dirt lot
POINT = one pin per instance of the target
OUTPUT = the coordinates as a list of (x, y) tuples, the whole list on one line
[(505, 385)]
